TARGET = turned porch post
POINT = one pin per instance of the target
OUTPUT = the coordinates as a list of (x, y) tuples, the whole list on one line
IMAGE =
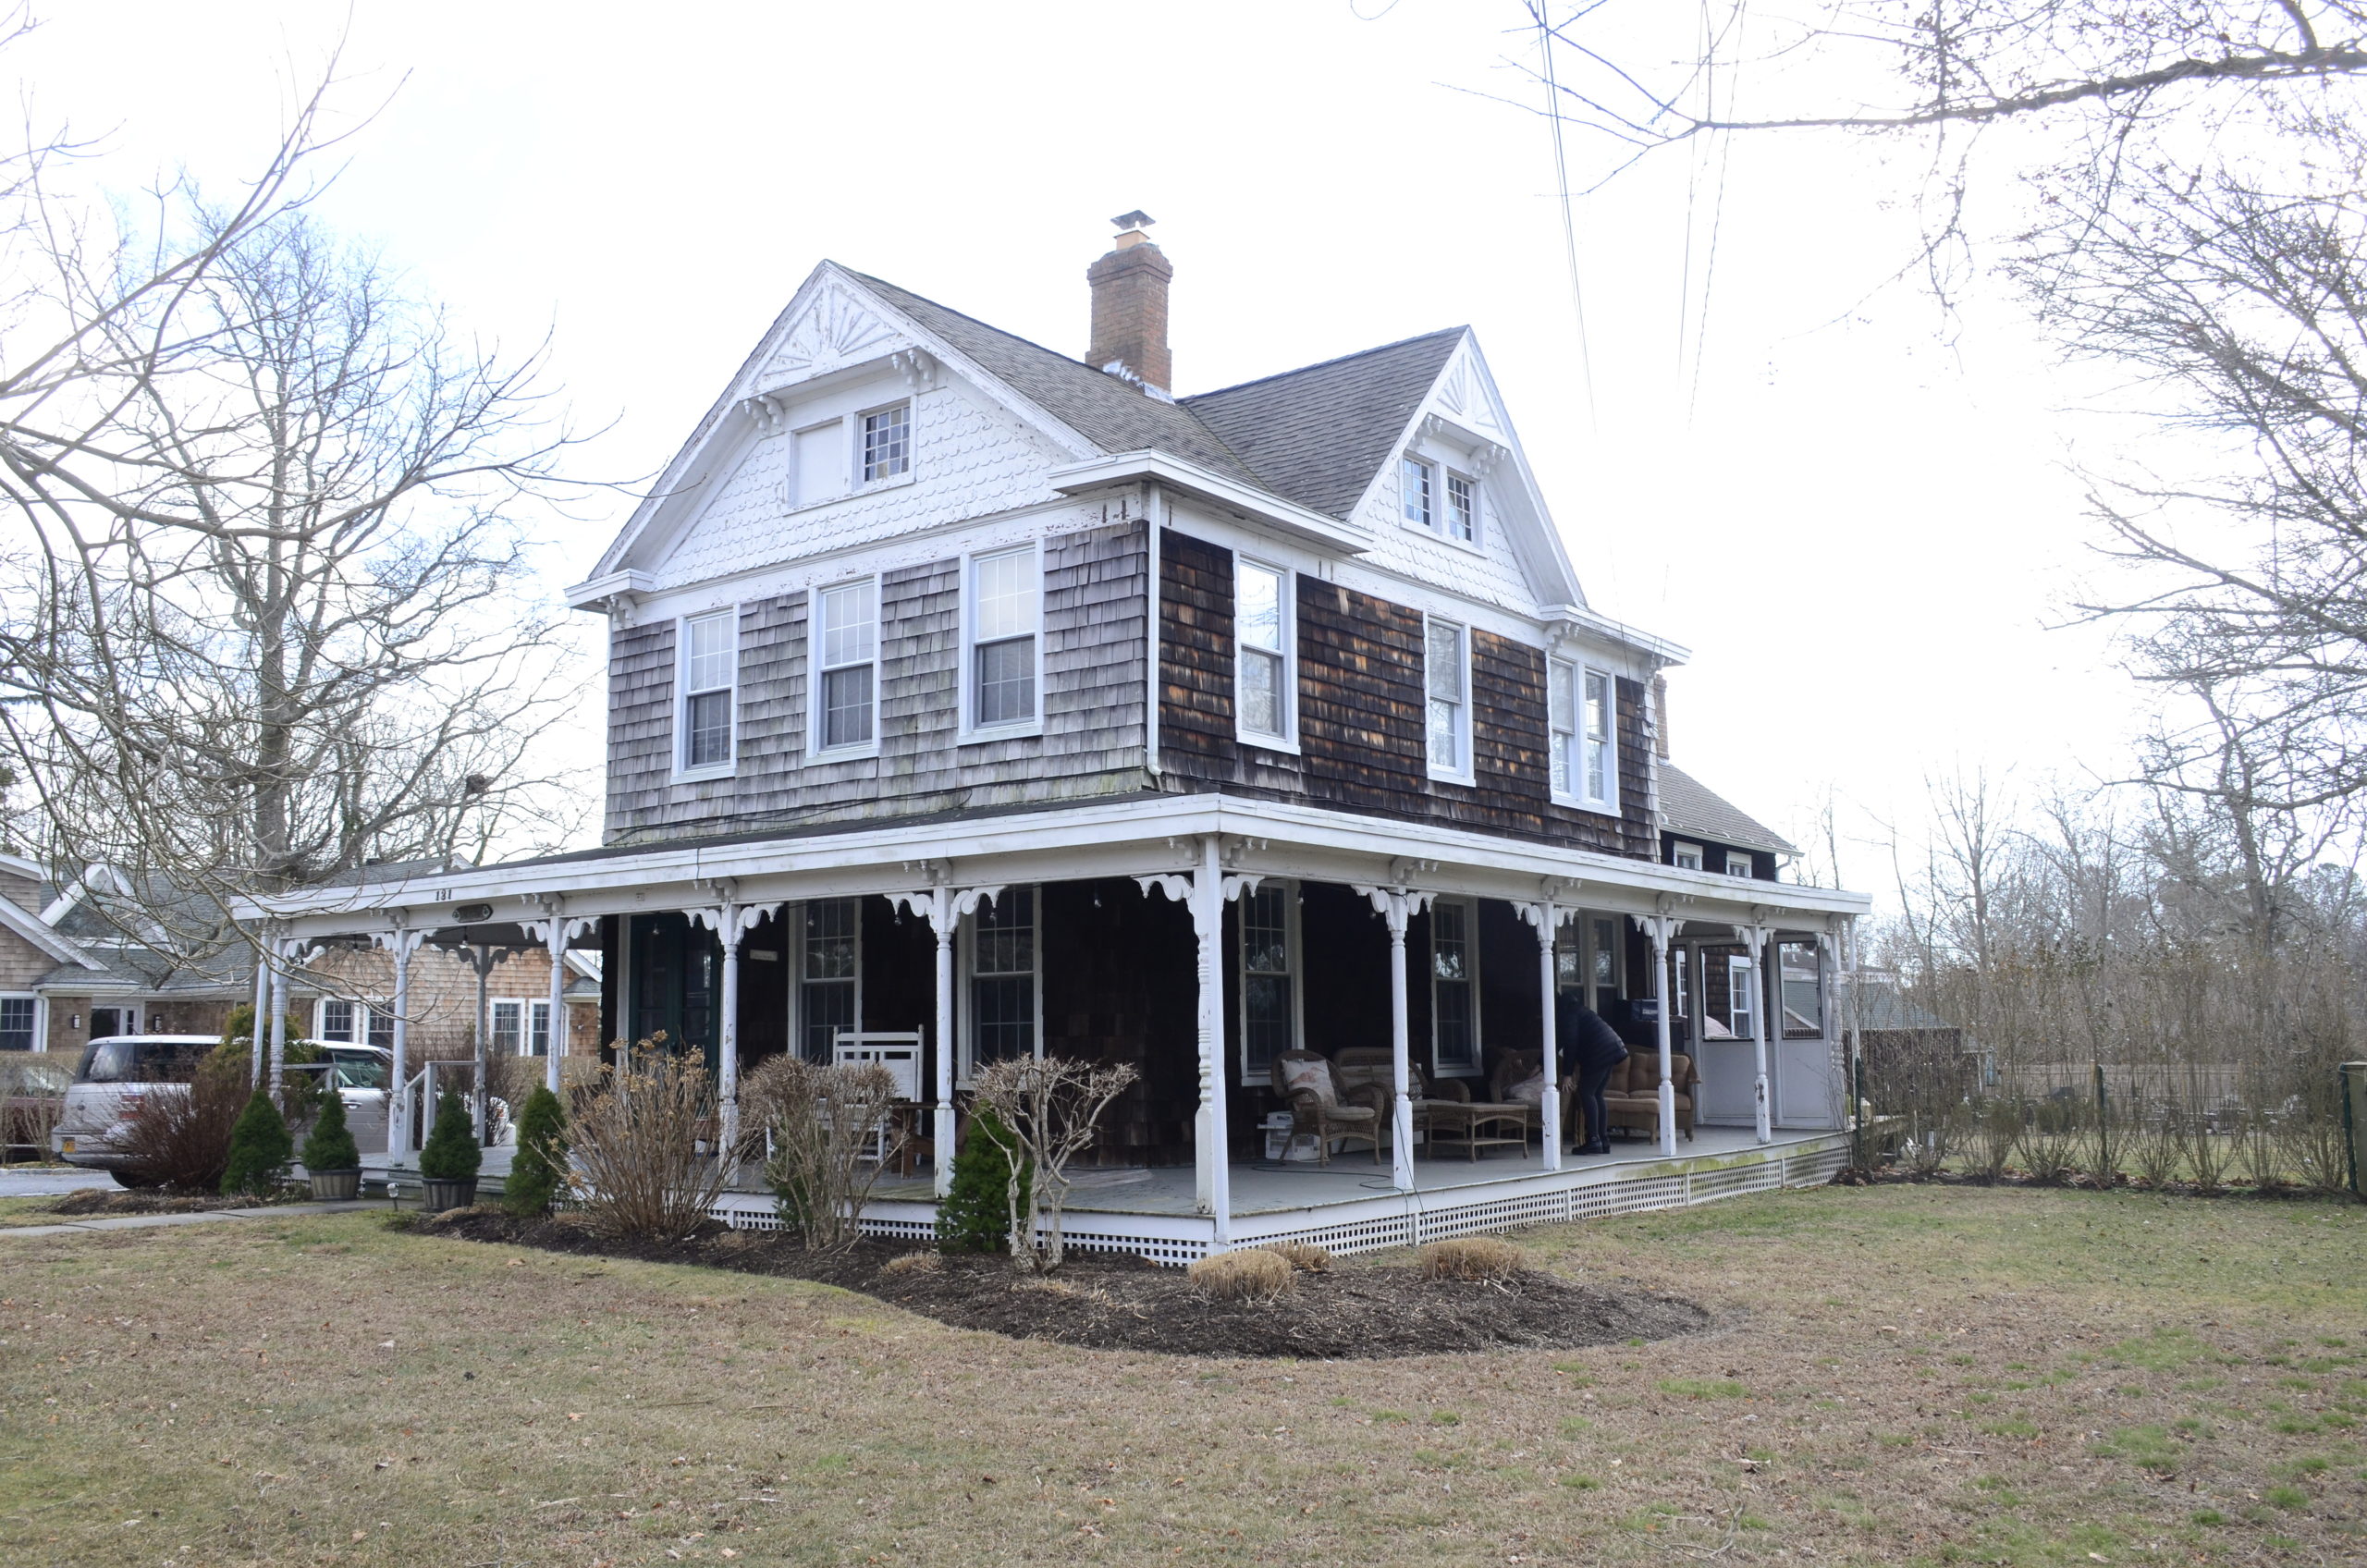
[(727, 1039), (1763, 957), (1547, 918), (1661, 930), (482, 961), (558, 1042), (943, 922), (1211, 1153), (404, 941), (263, 1009), (1396, 907), (282, 952)]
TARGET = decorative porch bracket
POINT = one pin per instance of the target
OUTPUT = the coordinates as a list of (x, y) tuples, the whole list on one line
[(1760, 938), (943, 906), (730, 921), (554, 933), (400, 940), (1660, 930), (481, 957), (1397, 906)]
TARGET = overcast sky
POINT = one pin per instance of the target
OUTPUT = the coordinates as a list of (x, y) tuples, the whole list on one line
[(1856, 514)]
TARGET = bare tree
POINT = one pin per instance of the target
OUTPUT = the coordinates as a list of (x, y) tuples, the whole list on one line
[(1052, 1108)]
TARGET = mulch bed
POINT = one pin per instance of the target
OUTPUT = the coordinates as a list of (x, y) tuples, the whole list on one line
[(101, 1202), (2080, 1181), (1105, 1302)]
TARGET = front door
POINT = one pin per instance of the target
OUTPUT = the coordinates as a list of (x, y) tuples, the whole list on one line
[(1728, 1064), (107, 1022)]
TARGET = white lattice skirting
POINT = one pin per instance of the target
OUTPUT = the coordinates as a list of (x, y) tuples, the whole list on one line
[(1399, 1219)]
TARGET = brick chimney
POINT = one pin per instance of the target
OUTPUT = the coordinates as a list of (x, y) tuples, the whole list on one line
[(1660, 717), (1130, 309)]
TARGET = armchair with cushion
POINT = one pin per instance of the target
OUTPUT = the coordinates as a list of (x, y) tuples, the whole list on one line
[(1633, 1096), (1324, 1108)]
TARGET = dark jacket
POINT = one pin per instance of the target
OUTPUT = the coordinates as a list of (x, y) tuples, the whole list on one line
[(1586, 1044)]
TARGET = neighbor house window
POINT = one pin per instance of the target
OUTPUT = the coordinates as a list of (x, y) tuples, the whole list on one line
[(1262, 627), (820, 463), (1738, 863), (522, 1028), (707, 660), (1268, 977), (1446, 666), (1417, 488), (336, 1022), (16, 1024), (830, 975), (1740, 1006), (847, 644), (379, 1029), (1685, 857), (1462, 509), (887, 444), (1005, 613), (1002, 977), (1800, 966), (1455, 992)]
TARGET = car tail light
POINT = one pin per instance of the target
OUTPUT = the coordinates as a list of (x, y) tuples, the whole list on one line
[(131, 1103)]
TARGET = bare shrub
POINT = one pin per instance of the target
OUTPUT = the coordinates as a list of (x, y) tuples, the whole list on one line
[(2316, 1150), (1470, 1257), (2205, 1155), (1997, 1129), (2053, 1133), (2149, 1145), (1303, 1256), (1253, 1274), (2260, 1153), (32, 1096), (180, 1138), (635, 1142), (1050, 1105), (831, 1139)]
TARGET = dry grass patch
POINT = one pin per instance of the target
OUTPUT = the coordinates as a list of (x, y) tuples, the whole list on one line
[(1471, 1258), (1255, 1274), (1305, 1257), (258, 1391)]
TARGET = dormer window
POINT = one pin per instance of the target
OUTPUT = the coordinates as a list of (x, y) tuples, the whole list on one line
[(888, 443), (1417, 484), (1462, 509), (1738, 863), (1685, 857)]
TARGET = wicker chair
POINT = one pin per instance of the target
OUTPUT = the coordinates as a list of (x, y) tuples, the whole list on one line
[(1321, 1108)]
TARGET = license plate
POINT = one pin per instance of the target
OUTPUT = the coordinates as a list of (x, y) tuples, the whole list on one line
[(66, 1145)]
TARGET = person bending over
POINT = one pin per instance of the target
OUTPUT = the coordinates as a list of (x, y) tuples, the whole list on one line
[(1590, 1048)]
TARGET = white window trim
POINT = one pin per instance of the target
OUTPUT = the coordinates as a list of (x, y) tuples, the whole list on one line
[(1441, 470), (1471, 948), (1437, 498), (968, 732), (857, 484), (525, 1008), (815, 750), (965, 1020), (1748, 987), (1678, 849), (1749, 861), (797, 1019), (794, 480), (1575, 797), (1290, 891), (1287, 742), (682, 772), (1469, 772)]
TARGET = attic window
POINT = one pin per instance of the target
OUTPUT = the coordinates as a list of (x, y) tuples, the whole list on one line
[(1438, 501), (1462, 509), (888, 443), (1687, 857), (1417, 484)]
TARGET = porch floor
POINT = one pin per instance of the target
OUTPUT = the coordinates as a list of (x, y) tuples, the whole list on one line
[(1274, 1187)]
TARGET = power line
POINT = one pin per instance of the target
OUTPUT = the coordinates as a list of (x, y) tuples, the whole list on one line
[(1569, 225)]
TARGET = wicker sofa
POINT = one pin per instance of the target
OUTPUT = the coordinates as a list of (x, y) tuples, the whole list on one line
[(1633, 1096)]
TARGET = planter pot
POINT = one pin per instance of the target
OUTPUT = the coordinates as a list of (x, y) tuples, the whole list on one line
[(439, 1194), (336, 1187)]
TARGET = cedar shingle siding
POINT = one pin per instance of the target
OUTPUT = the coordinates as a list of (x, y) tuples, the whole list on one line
[(1091, 701)]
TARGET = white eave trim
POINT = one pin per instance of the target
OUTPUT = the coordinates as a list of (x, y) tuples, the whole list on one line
[(598, 593), (1660, 650), (1190, 479), (30, 929)]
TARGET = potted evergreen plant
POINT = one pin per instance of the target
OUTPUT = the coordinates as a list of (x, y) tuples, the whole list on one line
[(331, 1157), (447, 1165)]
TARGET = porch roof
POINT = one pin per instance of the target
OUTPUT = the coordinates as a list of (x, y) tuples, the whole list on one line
[(1135, 836)]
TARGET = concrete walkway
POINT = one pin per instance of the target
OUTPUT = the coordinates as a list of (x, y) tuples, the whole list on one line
[(48, 1180), (204, 1217)]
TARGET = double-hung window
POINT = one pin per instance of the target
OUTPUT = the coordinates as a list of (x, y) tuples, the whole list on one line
[(888, 443), (354, 1023), (1455, 988), (846, 641), (1585, 760), (1269, 978), (1417, 483), (708, 670), (1006, 605), (1685, 857), (16, 1024), (829, 975), (1002, 977), (1742, 979), (1446, 673), (522, 1028), (1262, 631), (335, 1021), (1738, 863), (1800, 967), (1462, 519)]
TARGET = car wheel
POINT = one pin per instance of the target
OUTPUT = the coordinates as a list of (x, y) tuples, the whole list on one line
[(134, 1180)]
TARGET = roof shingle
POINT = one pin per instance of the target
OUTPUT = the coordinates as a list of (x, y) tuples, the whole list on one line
[(1689, 807)]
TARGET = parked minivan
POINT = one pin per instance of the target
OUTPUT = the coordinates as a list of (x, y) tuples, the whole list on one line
[(117, 1074)]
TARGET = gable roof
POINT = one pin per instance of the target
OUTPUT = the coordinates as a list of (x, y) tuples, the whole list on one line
[(1108, 412), (1687, 806), (1318, 435)]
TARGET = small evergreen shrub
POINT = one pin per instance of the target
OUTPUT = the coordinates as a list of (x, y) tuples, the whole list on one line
[(541, 1161), (976, 1214), (330, 1145), (260, 1148), (451, 1152)]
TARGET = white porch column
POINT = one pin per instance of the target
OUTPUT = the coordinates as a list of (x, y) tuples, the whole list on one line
[(403, 942), (1547, 918), (1763, 958), (943, 922), (1211, 1151), (730, 921), (561, 929), (481, 959), (1661, 930), (263, 1011), (283, 953), (1397, 906)]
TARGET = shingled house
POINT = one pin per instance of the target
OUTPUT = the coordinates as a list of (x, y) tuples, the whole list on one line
[(964, 690)]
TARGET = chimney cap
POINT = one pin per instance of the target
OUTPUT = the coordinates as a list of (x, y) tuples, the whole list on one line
[(1128, 222)]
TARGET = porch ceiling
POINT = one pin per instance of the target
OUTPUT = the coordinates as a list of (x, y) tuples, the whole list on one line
[(1141, 835)]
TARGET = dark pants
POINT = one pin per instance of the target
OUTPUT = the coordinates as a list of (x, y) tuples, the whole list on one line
[(1591, 1083)]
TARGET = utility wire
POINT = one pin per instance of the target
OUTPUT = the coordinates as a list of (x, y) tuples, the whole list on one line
[(1569, 225)]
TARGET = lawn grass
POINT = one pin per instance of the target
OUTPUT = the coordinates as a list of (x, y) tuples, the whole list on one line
[(1906, 1376)]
